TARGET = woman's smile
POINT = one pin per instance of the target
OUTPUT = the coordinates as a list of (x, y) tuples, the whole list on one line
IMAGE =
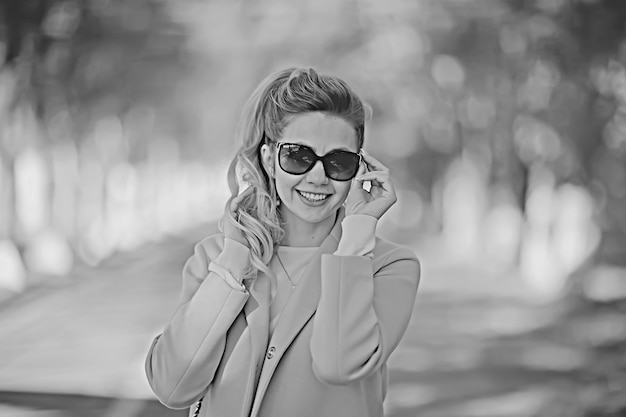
[(313, 198)]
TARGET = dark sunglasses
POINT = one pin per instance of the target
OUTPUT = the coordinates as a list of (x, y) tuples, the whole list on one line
[(298, 159)]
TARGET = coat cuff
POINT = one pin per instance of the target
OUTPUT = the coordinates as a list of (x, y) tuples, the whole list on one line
[(226, 276), (358, 235)]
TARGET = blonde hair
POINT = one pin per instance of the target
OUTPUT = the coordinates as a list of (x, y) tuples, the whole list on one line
[(278, 98)]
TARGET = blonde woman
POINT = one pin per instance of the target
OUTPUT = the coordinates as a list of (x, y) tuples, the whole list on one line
[(295, 307)]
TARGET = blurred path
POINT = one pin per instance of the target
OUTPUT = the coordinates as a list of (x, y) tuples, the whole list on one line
[(88, 335), (477, 356), (480, 345), (77, 348)]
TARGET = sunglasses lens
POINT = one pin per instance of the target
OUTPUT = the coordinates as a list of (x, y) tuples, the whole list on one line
[(341, 166), (296, 159)]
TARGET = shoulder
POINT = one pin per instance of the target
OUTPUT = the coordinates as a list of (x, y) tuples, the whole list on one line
[(387, 253), (205, 251), (196, 268), (387, 248), (211, 245)]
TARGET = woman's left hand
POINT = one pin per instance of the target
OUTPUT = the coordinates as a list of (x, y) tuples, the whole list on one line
[(381, 195)]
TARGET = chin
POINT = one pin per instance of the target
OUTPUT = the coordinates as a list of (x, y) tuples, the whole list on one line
[(314, 215)]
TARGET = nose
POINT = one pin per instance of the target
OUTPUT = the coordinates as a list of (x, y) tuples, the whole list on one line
[(317, 175)]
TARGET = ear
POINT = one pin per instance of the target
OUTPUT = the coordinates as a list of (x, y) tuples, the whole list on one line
[(267, 159)]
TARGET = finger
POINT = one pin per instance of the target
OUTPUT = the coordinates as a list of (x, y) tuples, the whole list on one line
[(377, 178), (357, 183), (373, 163), (245, 193), (234, 204), (380, 181)]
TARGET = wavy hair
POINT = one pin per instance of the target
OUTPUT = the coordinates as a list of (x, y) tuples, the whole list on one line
[(278, 98)]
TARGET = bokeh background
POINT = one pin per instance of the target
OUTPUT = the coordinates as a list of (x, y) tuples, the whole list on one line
[(503, 122)]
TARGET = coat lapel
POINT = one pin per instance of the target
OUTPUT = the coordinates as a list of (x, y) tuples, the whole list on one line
[(299, 309), (257, 314)]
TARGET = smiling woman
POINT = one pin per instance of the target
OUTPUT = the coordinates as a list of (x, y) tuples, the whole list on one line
[(297, 276)]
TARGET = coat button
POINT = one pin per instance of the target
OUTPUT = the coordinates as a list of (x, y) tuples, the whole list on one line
[(270, 352)]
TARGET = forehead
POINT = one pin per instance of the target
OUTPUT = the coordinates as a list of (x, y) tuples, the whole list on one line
[(322, 132)]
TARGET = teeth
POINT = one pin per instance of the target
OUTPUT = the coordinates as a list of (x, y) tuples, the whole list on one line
[(313, 196)]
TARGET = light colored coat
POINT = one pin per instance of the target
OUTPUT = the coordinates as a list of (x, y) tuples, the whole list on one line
[(326, 356)]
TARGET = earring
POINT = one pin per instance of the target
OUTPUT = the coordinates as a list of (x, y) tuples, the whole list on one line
[(272, 172)]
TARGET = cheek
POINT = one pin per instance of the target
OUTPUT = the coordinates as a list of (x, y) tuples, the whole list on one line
[(284, 184), (342, 189)]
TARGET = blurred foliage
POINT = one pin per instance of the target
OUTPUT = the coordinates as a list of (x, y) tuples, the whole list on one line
[(77, 61), (515, 82), (516, 87), (511, 85)]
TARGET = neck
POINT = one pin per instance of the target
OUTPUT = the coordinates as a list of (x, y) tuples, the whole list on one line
[(299, 233)]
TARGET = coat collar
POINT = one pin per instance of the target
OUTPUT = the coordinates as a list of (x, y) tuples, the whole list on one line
[(298, 311)]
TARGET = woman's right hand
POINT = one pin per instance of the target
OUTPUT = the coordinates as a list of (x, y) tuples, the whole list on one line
[(230, 230)]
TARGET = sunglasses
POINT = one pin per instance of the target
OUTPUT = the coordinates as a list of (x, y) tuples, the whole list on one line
[(298, 159)]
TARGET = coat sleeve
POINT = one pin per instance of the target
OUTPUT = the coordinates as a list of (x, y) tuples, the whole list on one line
[(362, 314), (182, 360)]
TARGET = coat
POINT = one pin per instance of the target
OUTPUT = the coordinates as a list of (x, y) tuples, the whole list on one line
[(326, 357)]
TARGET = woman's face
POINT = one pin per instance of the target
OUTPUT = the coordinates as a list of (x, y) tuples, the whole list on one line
[(312, 197)]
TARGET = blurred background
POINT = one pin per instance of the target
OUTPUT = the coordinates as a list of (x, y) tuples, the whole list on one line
[(504, 124)]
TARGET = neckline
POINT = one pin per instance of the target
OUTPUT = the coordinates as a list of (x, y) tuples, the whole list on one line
[(298, 249)]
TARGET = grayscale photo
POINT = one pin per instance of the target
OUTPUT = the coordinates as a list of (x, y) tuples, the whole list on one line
[(275, 208)]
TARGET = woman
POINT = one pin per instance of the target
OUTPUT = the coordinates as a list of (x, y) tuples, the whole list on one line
[(295, 307)]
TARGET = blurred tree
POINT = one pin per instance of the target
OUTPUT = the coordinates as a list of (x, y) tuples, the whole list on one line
[(75, 61), (531, 58), (534, 59)]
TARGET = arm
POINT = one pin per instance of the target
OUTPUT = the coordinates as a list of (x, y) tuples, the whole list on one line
[(362, 313), (182, 360)]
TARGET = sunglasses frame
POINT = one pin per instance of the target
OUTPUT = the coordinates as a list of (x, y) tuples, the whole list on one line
[(279, 145)]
